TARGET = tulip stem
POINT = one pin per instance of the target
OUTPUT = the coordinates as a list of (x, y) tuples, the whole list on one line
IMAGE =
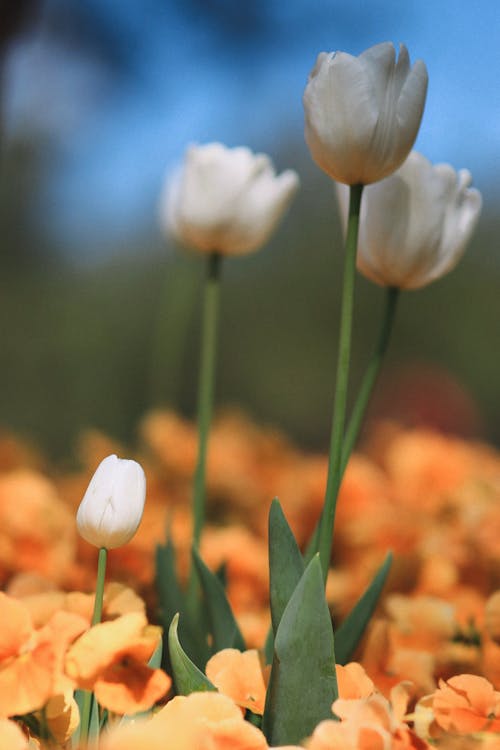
[(343, 359), (206, 388), (88, 697), (364, 394), (99, 587), (370, 376)]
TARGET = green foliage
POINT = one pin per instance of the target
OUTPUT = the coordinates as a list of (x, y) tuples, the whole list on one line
[(224, 629), (172, 599), (303, 683), (94, 725), (185, 674), (351, 631), (286, 565)]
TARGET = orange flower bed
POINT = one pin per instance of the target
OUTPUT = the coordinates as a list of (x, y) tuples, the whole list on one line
[(428, 669)]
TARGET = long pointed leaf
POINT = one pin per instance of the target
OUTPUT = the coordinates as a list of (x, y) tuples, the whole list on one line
[(186, 675), (351, 631), (171, 600), (303, 683), (224, 628), (286, 565)]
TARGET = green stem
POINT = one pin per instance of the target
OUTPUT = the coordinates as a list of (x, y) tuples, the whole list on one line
[(370, 377), (341, 384), (88, 697), (206, 387), (365, 391)]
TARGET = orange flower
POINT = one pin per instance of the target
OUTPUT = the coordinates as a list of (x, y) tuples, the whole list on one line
[(200, 721), (36, 528), (11, 736), (62, 716), (492, 616), (467, 703), (110, 659), (371, 723), (387, 665), (490, 656), (27, 666), (239, 676), (353, 682)]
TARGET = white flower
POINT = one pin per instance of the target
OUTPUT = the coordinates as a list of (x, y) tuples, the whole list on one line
[(112, 507), (225, 200), (415, 224), (363, 113)]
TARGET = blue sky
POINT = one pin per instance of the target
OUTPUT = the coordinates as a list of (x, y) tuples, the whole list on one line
[(146, 78)]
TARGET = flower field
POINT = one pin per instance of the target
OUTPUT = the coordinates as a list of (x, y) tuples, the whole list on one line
[(223, 589), (430, 661)]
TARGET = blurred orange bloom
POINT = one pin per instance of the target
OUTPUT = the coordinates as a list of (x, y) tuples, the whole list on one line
[(492, 616), (387, 665), (37, 529), (371, 723), (353, 682), (110, 659), (467, 703), (11, 736), (239, 676), (27, 665), (200, 721)]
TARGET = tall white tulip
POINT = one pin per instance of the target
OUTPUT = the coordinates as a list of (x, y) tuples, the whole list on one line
[(112, 507), (225, 200), (415, 224), (362, 114)]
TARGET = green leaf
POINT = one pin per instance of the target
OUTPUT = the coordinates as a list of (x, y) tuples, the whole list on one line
[(223, 626), (303, 683), (172, 599), (155, 660), (186, 675), (269, 647), (79, 696), (286, 565), (351, 631)]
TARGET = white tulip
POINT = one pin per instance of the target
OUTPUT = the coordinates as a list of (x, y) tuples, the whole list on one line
[(112, 507), (363, 113), (415, 224), (225, 200)]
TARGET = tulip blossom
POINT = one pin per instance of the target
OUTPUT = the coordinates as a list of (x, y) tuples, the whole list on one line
[(415, 224), (112, 507), (363, 113), (225, 200)]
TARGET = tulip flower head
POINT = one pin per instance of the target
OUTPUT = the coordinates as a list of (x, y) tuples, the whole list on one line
[(362, 114), (415, 224), (225, 200), (112, 507)]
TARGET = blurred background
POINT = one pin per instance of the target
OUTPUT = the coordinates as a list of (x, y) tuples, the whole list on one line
[(99, 313)]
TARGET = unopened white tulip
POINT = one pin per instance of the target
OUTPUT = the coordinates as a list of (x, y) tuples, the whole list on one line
[(225, 200), (112, 507), (415, 224), (362, 114)]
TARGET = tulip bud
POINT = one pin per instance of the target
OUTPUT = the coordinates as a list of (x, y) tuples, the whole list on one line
[(112, 507), (415, 224), (363, 113), (225, 200)]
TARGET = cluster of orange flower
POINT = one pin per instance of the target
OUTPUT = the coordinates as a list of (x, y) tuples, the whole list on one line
[(428, 669)]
